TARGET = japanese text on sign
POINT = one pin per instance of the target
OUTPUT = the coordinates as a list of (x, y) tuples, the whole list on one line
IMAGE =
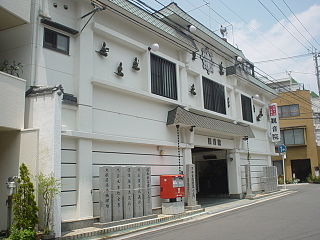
[(274, 123)]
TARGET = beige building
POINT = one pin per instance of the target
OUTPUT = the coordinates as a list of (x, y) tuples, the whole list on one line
[(297, 131)]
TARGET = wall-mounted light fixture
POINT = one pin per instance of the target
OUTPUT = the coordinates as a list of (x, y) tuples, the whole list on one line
[(239, 59), (230, 157), (119, 70), (193, 90), (135, 64), (161, 150), (154, 47), (260, 115), (192, 28), (256, 96), (103, 50), (228, 102)]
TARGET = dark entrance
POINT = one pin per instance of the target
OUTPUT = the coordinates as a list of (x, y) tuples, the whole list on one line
[(301, 168), (213, 177), (212, 172)]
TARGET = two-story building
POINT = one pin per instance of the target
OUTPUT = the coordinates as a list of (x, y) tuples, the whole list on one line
[(141, 88), (298, 132)]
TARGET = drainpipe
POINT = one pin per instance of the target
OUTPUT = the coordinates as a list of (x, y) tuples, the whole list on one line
[(34, 43)]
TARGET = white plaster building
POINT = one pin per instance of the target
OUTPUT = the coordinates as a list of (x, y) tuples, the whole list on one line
[(108, 119)]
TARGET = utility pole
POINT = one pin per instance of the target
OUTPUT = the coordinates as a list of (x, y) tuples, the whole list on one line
[(315, 57)]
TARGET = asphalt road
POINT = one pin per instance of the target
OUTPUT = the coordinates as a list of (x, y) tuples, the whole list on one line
[(293, 217)]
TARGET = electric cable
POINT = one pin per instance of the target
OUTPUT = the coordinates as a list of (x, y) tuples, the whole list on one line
[(284, 58), (183, 47), (264, 6), (301, 23), (292, 24)]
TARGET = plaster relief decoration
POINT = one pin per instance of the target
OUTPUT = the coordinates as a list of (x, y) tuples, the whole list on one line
[(207, 60)]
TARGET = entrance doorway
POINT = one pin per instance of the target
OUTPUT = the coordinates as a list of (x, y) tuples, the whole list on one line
[(211, 172), (301, 169)]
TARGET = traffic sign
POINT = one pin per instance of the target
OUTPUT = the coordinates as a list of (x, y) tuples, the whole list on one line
[(282, 148)]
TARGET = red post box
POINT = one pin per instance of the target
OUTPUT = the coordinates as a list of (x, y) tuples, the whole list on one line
[(172, 186)]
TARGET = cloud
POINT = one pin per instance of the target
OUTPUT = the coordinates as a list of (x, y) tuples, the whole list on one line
[(276, 42)]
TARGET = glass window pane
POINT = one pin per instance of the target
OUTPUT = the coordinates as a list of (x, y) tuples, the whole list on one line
[(294, 109), (288, 137), (299, 136), (49, 38), (63, 43), (285, 111), (279, 111), (281, 138)]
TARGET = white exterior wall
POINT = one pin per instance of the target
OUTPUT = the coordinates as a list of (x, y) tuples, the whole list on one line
[(12, 93), (118, 121)]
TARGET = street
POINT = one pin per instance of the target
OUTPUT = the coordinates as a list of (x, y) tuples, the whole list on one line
[(294, 217)]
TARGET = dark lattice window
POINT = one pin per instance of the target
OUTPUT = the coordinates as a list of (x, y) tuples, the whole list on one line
[(246, 108), (163, 77), (56, 41), (214, 96)]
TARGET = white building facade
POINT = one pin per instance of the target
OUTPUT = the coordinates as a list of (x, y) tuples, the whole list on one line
[(123, 100)]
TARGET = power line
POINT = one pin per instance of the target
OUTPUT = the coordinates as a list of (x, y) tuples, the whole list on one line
[(280, 59), (196, 7), (264, 6), (183, 47), (301, 22), (292, 24), (256, 30)]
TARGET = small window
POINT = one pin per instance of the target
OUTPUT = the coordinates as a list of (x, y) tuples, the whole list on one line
[(289, 111), (246, 108), (292, 136), (163, 77), (56, 41), (213, 96)]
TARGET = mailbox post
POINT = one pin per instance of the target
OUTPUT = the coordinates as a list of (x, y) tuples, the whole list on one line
[(172, 189)]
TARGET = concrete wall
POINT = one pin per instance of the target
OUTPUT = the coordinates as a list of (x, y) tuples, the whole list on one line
[(9, 166), (12, 91)]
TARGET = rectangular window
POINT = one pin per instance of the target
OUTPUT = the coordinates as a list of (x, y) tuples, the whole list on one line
[(214, 96), (56, 41), (292, 136), (246, 108), (163, 77), (289, 111)]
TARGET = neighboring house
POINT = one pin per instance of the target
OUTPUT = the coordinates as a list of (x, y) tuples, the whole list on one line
[(295, 106), (123, 100)]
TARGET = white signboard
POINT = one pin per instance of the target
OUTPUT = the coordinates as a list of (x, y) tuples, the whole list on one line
[(274, 122)]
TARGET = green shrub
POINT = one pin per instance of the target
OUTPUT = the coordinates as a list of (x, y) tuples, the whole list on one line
[(24, 204), (24, 234)]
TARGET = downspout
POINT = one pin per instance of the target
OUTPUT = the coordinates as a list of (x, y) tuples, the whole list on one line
[(34, 43)]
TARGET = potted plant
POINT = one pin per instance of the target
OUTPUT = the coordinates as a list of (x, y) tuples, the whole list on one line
[(13, 69), (48, 188)]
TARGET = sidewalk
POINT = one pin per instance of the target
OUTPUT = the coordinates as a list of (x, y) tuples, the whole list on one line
[(94, 233)]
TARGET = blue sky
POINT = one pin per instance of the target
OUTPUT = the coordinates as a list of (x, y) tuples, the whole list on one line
[(261, 36)]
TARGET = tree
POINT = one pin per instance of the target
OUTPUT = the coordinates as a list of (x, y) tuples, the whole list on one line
[(48, 187), (24, 205)]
